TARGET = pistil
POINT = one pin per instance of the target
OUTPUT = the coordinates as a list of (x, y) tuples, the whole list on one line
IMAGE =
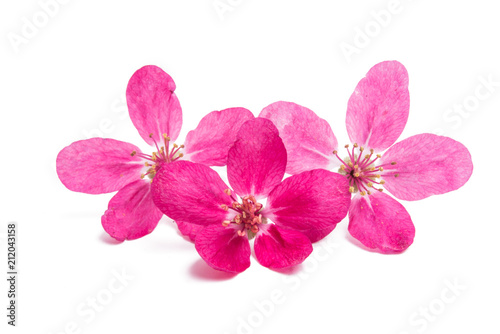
[(248, 216), (162, 155), (363, 174)]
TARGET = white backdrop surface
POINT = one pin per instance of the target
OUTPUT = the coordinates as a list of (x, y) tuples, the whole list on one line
[(64, 69)]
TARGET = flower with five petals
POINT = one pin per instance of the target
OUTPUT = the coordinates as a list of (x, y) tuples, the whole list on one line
[(102, 165), (412, 169), (300, 210)]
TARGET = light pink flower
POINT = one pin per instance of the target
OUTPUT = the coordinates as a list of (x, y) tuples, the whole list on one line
[(98, 165), (412, 169), (303, 208)]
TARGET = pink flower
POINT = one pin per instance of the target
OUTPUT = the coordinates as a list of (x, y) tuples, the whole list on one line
[(304, 208), (412, 169), (98, 165)]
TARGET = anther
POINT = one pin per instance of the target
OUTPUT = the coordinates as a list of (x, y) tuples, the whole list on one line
[(227, 192), (369, 184), (133, 153), (380, 189), (393, 163), (334, 152), (382, 181), (224, 207), (362, 193), (226, 223), (151, 135), (241, 233), (381, 169), (396, 175), (351, 189), (347, 146), (379, 156), (355, 145)]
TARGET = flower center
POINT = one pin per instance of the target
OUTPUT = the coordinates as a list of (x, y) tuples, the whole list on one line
[(247, 216), (362, 172), (163, 155)]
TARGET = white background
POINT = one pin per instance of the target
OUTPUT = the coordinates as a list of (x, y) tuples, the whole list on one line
[(68, 80)]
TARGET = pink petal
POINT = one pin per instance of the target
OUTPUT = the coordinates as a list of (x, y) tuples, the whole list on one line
[(190, 192), (256, 163), (309, 140), (209, 143), (277, 248), (97, 165), (311, 202), (378, 109), (153, 105), (131, 212), (426, 165), (223, 249), (379, 221), (189, 230)]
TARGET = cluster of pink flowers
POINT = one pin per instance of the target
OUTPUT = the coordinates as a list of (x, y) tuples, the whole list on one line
[(176, 180)]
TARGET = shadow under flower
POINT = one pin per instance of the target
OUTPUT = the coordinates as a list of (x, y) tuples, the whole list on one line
[(203, 271), (109, 240), (290, 270), (357, 243)]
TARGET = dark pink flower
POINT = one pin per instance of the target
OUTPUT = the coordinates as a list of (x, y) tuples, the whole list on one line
[(300, 209), (98, 165), (412, 169)]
